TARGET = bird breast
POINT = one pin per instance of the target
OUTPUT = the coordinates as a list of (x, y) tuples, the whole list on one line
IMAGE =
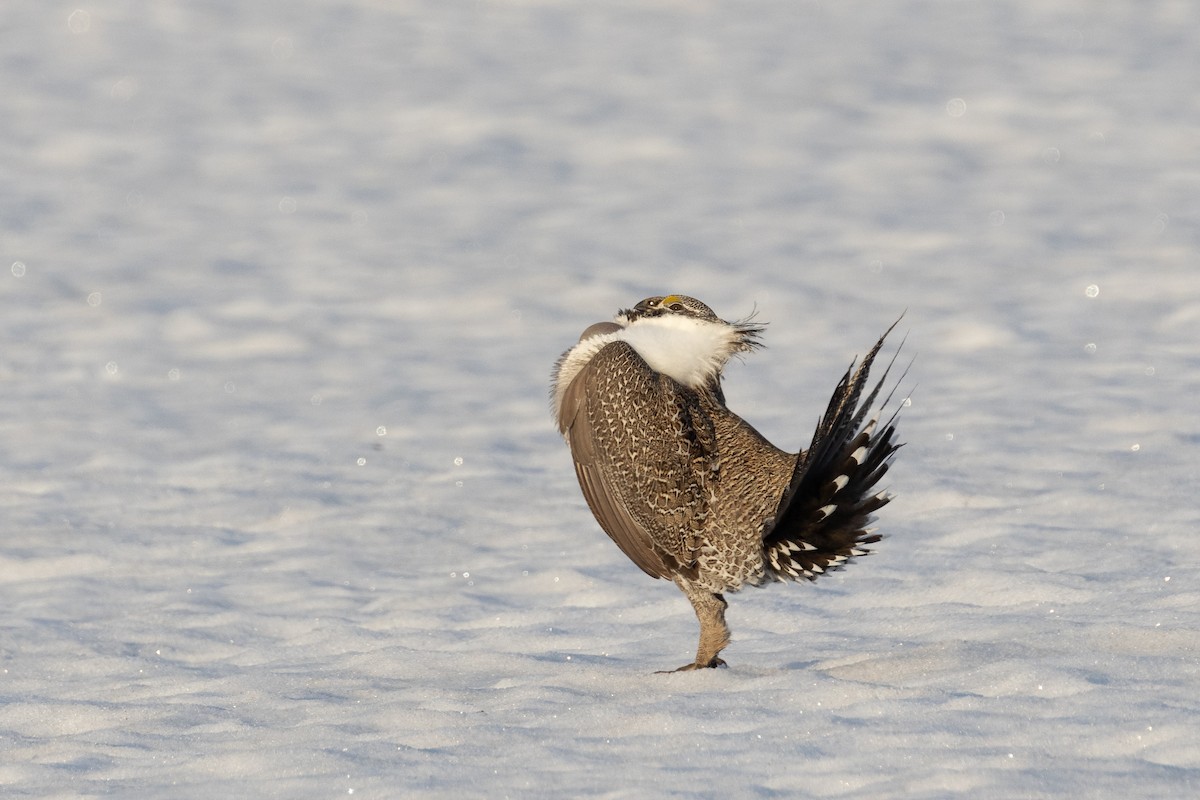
[(691, 351)]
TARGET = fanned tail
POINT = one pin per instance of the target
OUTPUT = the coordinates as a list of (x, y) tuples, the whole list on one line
[(824, 516)]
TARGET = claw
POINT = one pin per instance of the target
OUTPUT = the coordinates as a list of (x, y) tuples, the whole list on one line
[(716, 662)]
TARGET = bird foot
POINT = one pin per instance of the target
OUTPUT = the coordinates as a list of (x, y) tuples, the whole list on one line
[(716, 662)]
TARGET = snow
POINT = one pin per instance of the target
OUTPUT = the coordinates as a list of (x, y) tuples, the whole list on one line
[(284, 512)]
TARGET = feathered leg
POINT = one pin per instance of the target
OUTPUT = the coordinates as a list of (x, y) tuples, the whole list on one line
[(714, 633)]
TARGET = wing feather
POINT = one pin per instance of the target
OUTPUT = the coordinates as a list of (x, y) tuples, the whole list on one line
[(643, 454)]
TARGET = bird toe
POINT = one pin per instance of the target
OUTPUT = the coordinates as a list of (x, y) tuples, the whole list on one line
[(713, 664)]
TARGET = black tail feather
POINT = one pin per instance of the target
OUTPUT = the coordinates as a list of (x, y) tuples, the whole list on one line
[(822, 519)]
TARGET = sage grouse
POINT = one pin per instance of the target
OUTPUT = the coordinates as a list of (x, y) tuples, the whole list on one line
[(690, 491)]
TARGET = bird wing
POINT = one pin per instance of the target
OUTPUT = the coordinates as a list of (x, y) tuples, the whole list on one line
[(644, 455)]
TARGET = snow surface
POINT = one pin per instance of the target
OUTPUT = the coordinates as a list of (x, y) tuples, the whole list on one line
[(284, 513)]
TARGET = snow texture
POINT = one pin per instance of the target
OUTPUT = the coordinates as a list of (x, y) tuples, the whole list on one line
[(284, 513)]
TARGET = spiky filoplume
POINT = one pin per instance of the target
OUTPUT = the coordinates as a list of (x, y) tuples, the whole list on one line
[(690, 491)]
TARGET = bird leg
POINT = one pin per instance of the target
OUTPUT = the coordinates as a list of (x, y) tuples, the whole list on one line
[(714, 633)]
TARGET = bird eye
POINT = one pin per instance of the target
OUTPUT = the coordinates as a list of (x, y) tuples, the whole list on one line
[(676, 306)]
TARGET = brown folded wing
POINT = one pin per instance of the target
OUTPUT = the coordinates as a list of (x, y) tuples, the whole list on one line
[(624, 423)]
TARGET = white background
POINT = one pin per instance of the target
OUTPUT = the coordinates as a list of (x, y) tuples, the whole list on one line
[(282, 509)]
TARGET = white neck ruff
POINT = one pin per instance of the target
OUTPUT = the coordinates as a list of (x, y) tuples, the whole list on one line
[(689, 350), (692, 351)]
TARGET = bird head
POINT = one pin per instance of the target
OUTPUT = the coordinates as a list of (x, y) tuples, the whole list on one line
[(679, 304), (744, 333)]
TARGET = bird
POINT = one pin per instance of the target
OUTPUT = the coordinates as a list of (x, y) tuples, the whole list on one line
[(690, 491)]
